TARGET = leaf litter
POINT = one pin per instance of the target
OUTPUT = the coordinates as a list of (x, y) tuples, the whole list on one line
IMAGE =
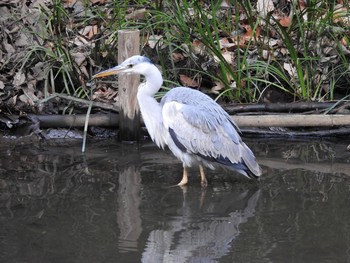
[(36, 49)]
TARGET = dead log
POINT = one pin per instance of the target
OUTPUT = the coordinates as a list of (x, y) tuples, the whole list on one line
[(296, 107), (75, 121), (290, 120)]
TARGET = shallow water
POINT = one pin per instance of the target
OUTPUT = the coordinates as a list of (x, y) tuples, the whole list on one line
[(116, 204)]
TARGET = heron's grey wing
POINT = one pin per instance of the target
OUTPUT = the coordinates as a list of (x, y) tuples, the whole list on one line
[(209, 134), (200, 102)]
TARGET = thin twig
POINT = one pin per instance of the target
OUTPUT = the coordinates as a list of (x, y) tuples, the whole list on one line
[(86, 127), (87, 102)]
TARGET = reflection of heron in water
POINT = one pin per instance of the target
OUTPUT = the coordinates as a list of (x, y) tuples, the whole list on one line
[(204, 235), (194, 127)]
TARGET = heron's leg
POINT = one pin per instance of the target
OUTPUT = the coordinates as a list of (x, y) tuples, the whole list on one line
[(184, 179), (204, 182)]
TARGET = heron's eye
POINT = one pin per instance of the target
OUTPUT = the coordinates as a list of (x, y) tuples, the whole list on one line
[(130, 65)]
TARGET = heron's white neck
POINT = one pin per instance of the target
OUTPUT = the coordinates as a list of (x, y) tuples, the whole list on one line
[(150, 109), (154, 81)]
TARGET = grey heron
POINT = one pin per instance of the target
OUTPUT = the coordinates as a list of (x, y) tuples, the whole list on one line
[(194, 127)]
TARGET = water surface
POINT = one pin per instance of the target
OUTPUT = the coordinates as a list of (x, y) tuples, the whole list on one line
[(116, 203)]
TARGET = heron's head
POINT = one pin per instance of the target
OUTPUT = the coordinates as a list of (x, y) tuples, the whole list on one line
[(135, 64)]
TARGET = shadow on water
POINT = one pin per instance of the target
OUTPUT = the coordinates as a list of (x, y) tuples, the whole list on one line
[(116, 203)]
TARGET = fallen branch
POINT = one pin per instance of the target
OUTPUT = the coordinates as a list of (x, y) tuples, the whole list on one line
[(239, 108), (290, 120), (75, 121), (286, 107)]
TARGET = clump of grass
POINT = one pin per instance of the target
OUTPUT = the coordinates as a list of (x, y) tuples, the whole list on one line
[(241, 80), (188, 22), (61, 71), (53, 54), (303, 41), (247, 79)]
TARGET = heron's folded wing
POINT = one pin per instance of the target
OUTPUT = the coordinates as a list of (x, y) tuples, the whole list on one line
[(205, 131)]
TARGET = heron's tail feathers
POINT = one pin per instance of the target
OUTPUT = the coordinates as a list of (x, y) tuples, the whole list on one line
[(253, 169), (249, 169), (248, 165)]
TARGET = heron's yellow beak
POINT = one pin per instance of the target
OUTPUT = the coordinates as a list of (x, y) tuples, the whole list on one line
[(112, 71)]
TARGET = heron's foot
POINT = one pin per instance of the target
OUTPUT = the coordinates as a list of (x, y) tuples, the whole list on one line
[(184, 179), (183, 182), (204, 182)]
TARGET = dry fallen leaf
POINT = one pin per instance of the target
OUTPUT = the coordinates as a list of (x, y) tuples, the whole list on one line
[(198, 47), (9, 48), (263, 7), (155, 40), (284, 51), (227, 43), (242, 40), (345, 41), (273, 42), (104, 94), (137, 14), (40, 71), (248, 35), (78, 57), (285, 21), (290, 69), (104, 54), (177, 57), (341, 15), (89, 31), (12, 101), (100, 2), (225, 4), (188, 82), (23, 40), (265, 54), (28, 97), (302, 4), (227, 55), (69, 2), (218, 87), (81, 42), (19, 79)]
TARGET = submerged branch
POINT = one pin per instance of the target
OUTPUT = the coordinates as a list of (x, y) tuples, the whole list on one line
[(342, 131), (318, 167)]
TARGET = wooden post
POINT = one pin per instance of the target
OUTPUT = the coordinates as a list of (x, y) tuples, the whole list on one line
[(129, 116)]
